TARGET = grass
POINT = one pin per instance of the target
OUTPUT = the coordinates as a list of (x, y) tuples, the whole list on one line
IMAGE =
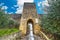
[(7, 31)]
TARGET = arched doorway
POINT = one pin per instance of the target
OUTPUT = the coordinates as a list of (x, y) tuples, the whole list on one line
[(29, 28)]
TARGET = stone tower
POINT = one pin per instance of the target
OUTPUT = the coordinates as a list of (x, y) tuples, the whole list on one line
[(29, 15)]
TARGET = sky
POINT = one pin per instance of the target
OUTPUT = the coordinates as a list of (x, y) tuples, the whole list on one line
[(16, 6)]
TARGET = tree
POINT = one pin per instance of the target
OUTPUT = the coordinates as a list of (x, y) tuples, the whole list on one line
[(4, 19), (51, 21)]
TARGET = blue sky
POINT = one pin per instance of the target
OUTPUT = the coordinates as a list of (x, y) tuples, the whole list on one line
[(16, 6)]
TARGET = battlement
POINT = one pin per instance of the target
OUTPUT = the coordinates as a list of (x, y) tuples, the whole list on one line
[(29, 5)]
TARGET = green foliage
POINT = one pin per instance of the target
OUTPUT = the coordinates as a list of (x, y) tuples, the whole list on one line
[(3, 19), (6, 21), (51, 21), (7, 31)]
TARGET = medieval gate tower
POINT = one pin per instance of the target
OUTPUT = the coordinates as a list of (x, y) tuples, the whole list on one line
[(29, 15)]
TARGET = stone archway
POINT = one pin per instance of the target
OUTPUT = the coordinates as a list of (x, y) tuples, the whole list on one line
[(29, 15), (30, 21)]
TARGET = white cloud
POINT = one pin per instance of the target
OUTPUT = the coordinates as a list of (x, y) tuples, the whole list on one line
[(30, 1), (20, 4), (19, 10), (39, 3), (15, 5), (1, 4), (10, 13), (5, 12), (12, 7), (4, 7), (45, 3)]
